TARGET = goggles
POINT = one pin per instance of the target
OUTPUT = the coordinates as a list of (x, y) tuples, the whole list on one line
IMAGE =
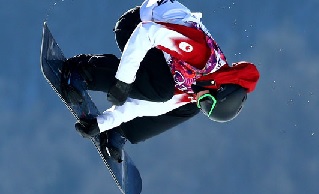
[(207, 103)]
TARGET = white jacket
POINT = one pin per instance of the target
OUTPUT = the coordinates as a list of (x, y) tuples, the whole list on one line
[(147, 35)]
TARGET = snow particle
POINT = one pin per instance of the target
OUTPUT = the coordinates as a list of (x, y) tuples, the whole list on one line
[(290, 101)]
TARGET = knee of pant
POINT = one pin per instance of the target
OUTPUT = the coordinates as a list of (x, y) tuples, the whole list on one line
[(104, 60)]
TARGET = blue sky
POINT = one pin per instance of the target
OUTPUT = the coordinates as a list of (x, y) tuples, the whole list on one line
[(272, 147)]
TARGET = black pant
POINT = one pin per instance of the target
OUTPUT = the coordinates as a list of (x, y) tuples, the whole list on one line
[(154, 82)]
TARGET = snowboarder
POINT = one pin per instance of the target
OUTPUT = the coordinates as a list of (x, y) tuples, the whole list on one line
[(170, 69)]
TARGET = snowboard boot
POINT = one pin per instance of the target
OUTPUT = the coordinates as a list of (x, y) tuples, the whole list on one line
[(75, 69), (81, 65), (112, 143), (87, 128)]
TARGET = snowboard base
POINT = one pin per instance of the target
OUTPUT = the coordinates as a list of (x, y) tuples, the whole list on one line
[(125, 174)]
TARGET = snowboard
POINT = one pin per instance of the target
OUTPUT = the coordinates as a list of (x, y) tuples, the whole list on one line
[(124, 173)]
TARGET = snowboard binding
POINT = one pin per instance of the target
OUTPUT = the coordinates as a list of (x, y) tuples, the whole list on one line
[(111, 144), (69, 90)]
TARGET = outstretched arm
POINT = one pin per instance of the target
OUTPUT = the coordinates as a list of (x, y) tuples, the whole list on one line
[(134, 108)]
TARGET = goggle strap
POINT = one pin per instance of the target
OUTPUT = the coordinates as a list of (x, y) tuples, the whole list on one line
[(213, 105)]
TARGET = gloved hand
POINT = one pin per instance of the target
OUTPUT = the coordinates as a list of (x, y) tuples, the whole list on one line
[(87, 127), (119, 93)]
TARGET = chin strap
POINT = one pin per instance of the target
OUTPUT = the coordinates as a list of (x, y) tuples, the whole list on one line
[(205, 83), (202, 85)]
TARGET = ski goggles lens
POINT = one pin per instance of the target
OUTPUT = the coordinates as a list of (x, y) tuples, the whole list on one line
[(207, 103)]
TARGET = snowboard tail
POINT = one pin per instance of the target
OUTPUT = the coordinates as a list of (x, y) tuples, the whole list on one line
[(125, 174)]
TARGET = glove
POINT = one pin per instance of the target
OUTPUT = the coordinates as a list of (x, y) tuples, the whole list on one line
[(87, 127), (119, 93)]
